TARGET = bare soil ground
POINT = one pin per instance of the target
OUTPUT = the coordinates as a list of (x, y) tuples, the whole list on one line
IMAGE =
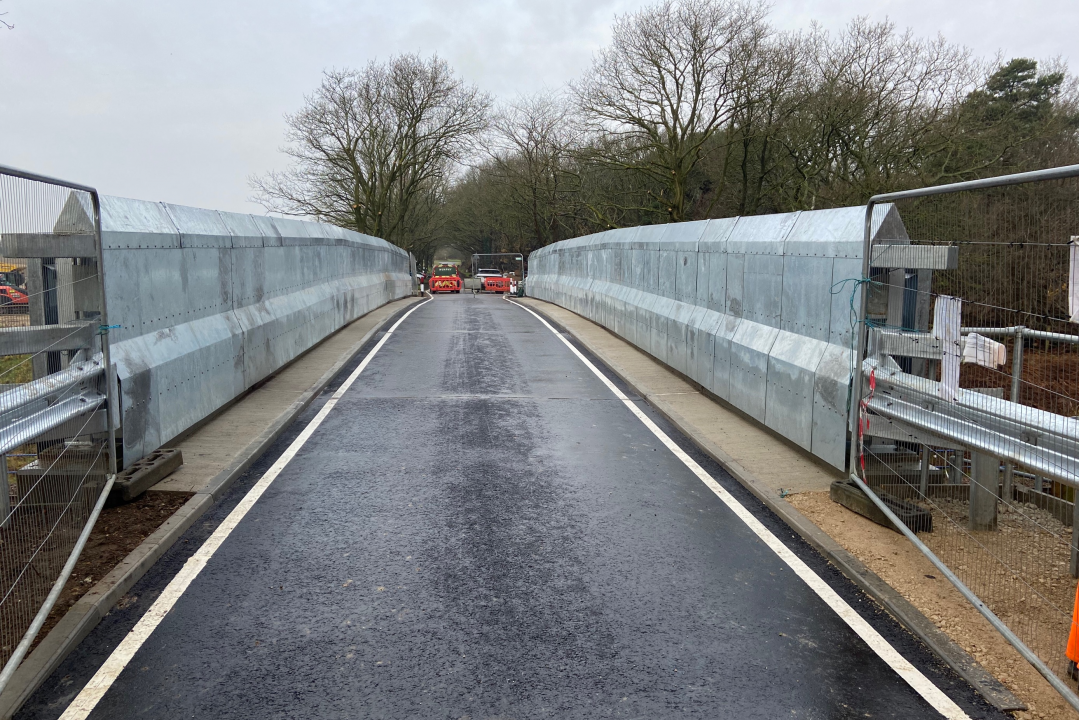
[(1050, 378), (118, 531), (902, 566)]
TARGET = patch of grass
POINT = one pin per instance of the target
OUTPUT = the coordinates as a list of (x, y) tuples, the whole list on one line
[(15, 369)]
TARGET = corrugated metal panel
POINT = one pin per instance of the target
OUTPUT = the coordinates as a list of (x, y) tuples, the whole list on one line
[(678, 320)]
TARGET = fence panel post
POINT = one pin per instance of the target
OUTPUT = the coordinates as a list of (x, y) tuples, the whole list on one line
[(57, 433)]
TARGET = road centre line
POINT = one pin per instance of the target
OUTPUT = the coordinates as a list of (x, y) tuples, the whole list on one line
[(99, 684), (919, 682)]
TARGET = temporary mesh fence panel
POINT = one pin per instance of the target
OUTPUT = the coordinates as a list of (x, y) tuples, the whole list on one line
[(55, 421), (970, 396)]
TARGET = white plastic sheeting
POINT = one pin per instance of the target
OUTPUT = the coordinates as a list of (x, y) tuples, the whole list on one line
[(947, 312)]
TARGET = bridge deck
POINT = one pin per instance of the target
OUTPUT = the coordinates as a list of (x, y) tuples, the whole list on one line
[(480, 528)]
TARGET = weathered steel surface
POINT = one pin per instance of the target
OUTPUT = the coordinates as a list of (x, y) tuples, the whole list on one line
[(755, 309), (34, 245), (51, 338), (922, 257)]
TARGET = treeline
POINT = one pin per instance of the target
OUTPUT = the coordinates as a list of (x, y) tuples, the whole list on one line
[(696, 109)]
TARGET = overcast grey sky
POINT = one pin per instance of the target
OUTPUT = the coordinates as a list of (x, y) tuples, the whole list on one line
[(184, 101)]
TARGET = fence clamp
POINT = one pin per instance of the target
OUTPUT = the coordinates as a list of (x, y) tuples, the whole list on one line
[(104, 329)]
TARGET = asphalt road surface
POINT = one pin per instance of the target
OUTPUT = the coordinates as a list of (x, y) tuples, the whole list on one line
[(481, 529)]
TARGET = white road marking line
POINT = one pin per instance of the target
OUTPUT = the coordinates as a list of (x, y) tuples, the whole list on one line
[(921, 684), (100, 683)]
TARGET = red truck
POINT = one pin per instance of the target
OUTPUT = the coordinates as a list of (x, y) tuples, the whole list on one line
[(445, 278)]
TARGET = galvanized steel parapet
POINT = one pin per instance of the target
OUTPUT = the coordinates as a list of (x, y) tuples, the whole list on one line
[(758, 310), (209, 303)]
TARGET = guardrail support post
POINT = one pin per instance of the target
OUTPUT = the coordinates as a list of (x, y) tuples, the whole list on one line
[(984, 477)]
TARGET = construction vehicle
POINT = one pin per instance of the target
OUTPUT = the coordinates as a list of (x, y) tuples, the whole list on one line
[(445, 278), (13, 300), (12, 275)]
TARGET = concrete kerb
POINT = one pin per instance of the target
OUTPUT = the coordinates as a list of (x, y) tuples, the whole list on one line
[(89, 610), (869, 582)]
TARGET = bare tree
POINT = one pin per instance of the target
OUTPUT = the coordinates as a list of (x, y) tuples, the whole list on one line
[(699, 109), (873, 106), (373, 149), (530, 151), (664, 87)]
